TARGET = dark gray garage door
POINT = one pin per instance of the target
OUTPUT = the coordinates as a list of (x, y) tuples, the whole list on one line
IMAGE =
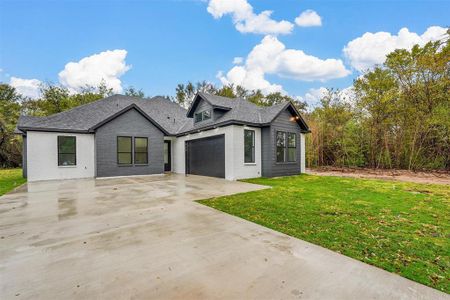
[(206, 156)]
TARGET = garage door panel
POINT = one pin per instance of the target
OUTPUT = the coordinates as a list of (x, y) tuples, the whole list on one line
[(206, 156)]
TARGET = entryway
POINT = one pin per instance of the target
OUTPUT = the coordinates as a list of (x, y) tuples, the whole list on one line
[(167, 156)]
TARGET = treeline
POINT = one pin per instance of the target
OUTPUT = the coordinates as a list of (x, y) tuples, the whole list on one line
[(185, 94), (397, 115)]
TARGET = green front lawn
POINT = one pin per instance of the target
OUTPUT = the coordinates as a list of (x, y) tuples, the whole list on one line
[(400, 227), (10, 179)]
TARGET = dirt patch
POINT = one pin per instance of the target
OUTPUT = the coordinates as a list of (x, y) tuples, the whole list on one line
[(401, 175)]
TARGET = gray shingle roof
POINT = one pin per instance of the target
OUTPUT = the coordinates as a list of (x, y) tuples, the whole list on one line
[(218, 100), (242, 111), (168, 115)]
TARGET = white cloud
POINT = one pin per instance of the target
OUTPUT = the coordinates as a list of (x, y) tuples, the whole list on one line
[(308, 18), (106, 66), (26, 87), (252, 80), (272, 57), (371, 48), (238, 60), (245, 20), (312, 96)]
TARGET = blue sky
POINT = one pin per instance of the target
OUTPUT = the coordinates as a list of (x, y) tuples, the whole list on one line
[(170, 42)]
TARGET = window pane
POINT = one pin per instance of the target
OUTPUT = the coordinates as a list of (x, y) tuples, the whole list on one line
[(140, 158), (66, 144), (166, 153), (140, 144), (124, 158), (280, 154), (292, 154), (198, 117), (206, 115), (249, 155), (249, 136), (67, 151), (124, 144), (66, 160), (249, 146), (281, 136), (291, 140)]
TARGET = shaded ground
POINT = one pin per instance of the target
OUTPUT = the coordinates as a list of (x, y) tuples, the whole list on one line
[(145, 238), (401, 175), (398, 226)]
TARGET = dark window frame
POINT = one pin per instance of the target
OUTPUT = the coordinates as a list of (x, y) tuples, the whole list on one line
[(196, 119), (135, 152), (291, 147), (59, 152), (204, 115), (252, 148), (283, 147), (131, 150)]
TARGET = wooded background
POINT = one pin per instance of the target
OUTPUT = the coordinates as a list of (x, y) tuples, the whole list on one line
[(396, 115)]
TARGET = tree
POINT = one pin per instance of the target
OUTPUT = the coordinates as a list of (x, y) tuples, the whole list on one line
[(398, 119), (133, 92), (10, 101), (226, 91), (329, 143), (185, 93), (56, 98), (377, 97)]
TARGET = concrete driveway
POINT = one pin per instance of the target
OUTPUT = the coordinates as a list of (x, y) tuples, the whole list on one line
[(144, 237)]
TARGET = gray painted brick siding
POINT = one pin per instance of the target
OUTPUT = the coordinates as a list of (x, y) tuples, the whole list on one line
[(266, 150), (131, 123), (24, 157), (270, 167)]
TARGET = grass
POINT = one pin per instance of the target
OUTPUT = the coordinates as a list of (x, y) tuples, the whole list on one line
[(10, 179), (401, 227)]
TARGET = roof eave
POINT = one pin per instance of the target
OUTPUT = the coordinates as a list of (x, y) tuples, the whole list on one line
[(44, 129), (300, 118), (222, 124), (193, 106)]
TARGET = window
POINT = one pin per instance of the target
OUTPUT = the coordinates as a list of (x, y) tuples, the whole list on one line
[(140, 150), (206, 115), (202, 116), (249, 146), (292, 147), (67, 151), (281, 146), (286, 143), (124, 151), (198, 117)]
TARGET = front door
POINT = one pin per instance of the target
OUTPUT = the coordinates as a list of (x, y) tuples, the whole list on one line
[(167, 157)]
